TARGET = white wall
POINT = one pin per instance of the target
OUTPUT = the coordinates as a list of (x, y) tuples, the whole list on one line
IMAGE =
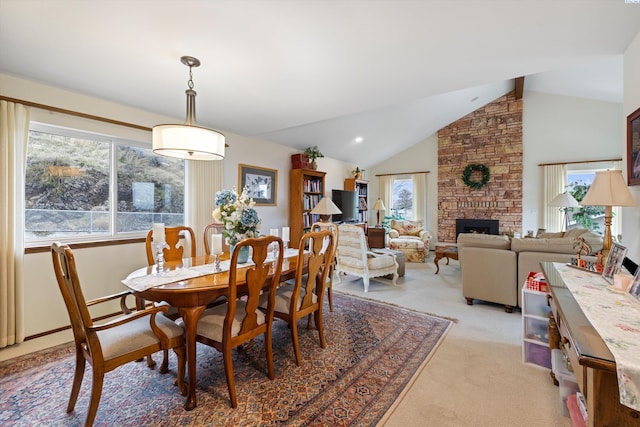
[(631, 216), (102, 268)]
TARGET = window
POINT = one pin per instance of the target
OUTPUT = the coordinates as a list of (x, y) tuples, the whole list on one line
[(86, 186), (402, 206), (590, 217)]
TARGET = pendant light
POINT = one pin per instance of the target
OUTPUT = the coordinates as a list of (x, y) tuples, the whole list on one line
[(188, 141)]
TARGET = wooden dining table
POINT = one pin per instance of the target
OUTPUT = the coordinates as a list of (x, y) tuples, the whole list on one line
[(191, 297)]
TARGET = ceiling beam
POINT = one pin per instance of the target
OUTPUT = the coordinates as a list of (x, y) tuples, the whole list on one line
[(519, 87)]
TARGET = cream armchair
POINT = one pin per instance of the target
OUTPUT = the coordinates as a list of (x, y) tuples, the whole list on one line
[(411, 238), (354, 257)]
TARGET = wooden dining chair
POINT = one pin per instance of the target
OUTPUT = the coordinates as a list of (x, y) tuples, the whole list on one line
[(238, 321), (304, 297), (208, 231), (174, 237), (121, 340), (318, 226)]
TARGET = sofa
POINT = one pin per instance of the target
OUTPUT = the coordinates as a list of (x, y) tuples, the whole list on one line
[(495, 268), (410, 238)]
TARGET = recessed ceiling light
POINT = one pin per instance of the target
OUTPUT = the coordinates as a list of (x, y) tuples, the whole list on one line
[(359, 139)]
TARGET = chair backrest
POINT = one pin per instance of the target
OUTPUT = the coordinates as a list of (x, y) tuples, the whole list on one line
[(319, 245), (208, 231), (256, 277), (175, 251), (64, 265), (319, 226), (352, 247)]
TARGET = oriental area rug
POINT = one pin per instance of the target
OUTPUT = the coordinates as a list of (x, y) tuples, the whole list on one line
[(373, 353)]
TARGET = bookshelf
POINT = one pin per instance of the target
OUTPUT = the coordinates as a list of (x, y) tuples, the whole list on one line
[(362, 187), (306, 188)]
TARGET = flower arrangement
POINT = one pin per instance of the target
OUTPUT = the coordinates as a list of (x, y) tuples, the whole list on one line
[(357, 172), (240, 219), (313, 153)]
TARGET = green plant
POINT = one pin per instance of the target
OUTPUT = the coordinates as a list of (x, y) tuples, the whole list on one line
[(584, 215), (313, 153)]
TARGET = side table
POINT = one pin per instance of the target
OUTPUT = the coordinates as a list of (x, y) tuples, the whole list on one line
[(375, 236), (448, 252)]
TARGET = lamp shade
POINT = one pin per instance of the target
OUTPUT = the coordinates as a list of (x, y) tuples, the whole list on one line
[(326, 207), (608, 189), (379, 206), (564, 200), (188, 142)]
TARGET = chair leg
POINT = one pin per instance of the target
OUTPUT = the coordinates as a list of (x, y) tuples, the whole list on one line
[(294, 337), (96, 392), (366, 284), (330, 297), (228, 370), (268, 344), (77, 381), (317, 316), (150, 362), (181, 354), (164, 366)]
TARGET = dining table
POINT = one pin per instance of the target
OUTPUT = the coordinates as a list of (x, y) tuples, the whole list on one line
[(190, 285)]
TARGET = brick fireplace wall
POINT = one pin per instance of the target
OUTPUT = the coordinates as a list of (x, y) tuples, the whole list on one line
[(491, 136)]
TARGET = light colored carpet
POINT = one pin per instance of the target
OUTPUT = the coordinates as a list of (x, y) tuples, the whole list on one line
[(476, 378)]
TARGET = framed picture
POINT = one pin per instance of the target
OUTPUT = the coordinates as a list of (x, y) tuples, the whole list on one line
[(614, 261), (261, 183), (633, 148), (634, 289)]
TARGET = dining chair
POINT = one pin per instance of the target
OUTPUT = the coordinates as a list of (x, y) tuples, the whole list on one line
[(208, 231), (318, 226), (121, 340), (304, 297), (239, 320)]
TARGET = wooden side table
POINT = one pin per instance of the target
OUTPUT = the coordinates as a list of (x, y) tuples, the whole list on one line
[(375, 237), (448, 252)]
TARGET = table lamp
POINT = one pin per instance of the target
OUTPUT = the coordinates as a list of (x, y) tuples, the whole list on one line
[(564, 201), (325, 208), (608, 189), (378, 206)]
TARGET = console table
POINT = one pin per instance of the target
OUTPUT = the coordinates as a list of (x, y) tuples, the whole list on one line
[(592, 362)]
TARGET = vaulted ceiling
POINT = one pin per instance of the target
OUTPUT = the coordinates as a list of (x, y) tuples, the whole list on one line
[(305, 73)]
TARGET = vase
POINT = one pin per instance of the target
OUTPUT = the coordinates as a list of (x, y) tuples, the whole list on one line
[(243, 256), (314, 165)]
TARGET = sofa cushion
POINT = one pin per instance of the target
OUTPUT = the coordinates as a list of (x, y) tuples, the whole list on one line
[(563, 245), (407, 228), (547, 235), (574, 232), (478, 240)]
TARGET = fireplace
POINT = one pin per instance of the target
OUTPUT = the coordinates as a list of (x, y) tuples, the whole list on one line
[(481, 226)]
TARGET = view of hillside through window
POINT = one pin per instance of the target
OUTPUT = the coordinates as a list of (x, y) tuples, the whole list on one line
[(402, 207), (80, 184), (590, 217)]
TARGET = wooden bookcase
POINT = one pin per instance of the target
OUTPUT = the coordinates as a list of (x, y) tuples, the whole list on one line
[(306, 188), (362, 187)]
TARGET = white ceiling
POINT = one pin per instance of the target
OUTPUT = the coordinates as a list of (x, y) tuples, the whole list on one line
[(305, 73)]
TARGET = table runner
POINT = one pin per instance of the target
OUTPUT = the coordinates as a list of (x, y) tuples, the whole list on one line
[(616, 317), (141, 280)]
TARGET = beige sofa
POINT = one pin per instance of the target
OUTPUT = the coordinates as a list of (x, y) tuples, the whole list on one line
[(494, 268)]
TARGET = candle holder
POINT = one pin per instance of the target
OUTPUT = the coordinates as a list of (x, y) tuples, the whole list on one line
[(285, 245), (160, 256), (216, 263)]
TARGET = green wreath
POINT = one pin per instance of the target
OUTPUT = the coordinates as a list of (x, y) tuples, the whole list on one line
[(468, 173)]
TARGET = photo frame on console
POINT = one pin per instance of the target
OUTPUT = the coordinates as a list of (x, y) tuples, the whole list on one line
[(614, 261), (261, 183), (633, 148), (634, 289)]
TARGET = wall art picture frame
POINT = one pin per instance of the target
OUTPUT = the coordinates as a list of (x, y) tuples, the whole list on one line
[(633, 148), (261, 183), (614, 261), (634, 289)]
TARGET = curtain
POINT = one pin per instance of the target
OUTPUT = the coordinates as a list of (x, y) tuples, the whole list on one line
[(204, 179), (420, 197), (14, 131), (385, 184), (555, 182)]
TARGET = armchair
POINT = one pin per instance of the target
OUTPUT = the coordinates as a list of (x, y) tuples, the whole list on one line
[(354, 257), (411, 238)]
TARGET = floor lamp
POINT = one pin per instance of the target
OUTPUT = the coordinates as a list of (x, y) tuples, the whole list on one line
[(608, 190), (564, 201)]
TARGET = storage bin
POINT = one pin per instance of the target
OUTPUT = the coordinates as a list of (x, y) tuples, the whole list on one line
[(537, 354), (566, 379)]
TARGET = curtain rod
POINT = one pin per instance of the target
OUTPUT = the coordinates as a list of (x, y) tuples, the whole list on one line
[(401, 173), (74, 113), (584, 161)]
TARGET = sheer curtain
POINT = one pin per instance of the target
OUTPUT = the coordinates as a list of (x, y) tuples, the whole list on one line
[(420, 197), (616, 224), (204, 179), (555, 182), (14, 131), (386, 192)]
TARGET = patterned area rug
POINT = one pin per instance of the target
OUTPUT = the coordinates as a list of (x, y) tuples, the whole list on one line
[(373, 352)]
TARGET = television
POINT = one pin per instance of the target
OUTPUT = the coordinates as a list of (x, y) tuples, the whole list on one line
[(347, 202)]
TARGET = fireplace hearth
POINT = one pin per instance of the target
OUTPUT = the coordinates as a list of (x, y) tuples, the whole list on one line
[(481, 226)]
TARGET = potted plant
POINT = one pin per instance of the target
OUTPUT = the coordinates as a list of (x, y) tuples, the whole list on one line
[(313, 153)]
